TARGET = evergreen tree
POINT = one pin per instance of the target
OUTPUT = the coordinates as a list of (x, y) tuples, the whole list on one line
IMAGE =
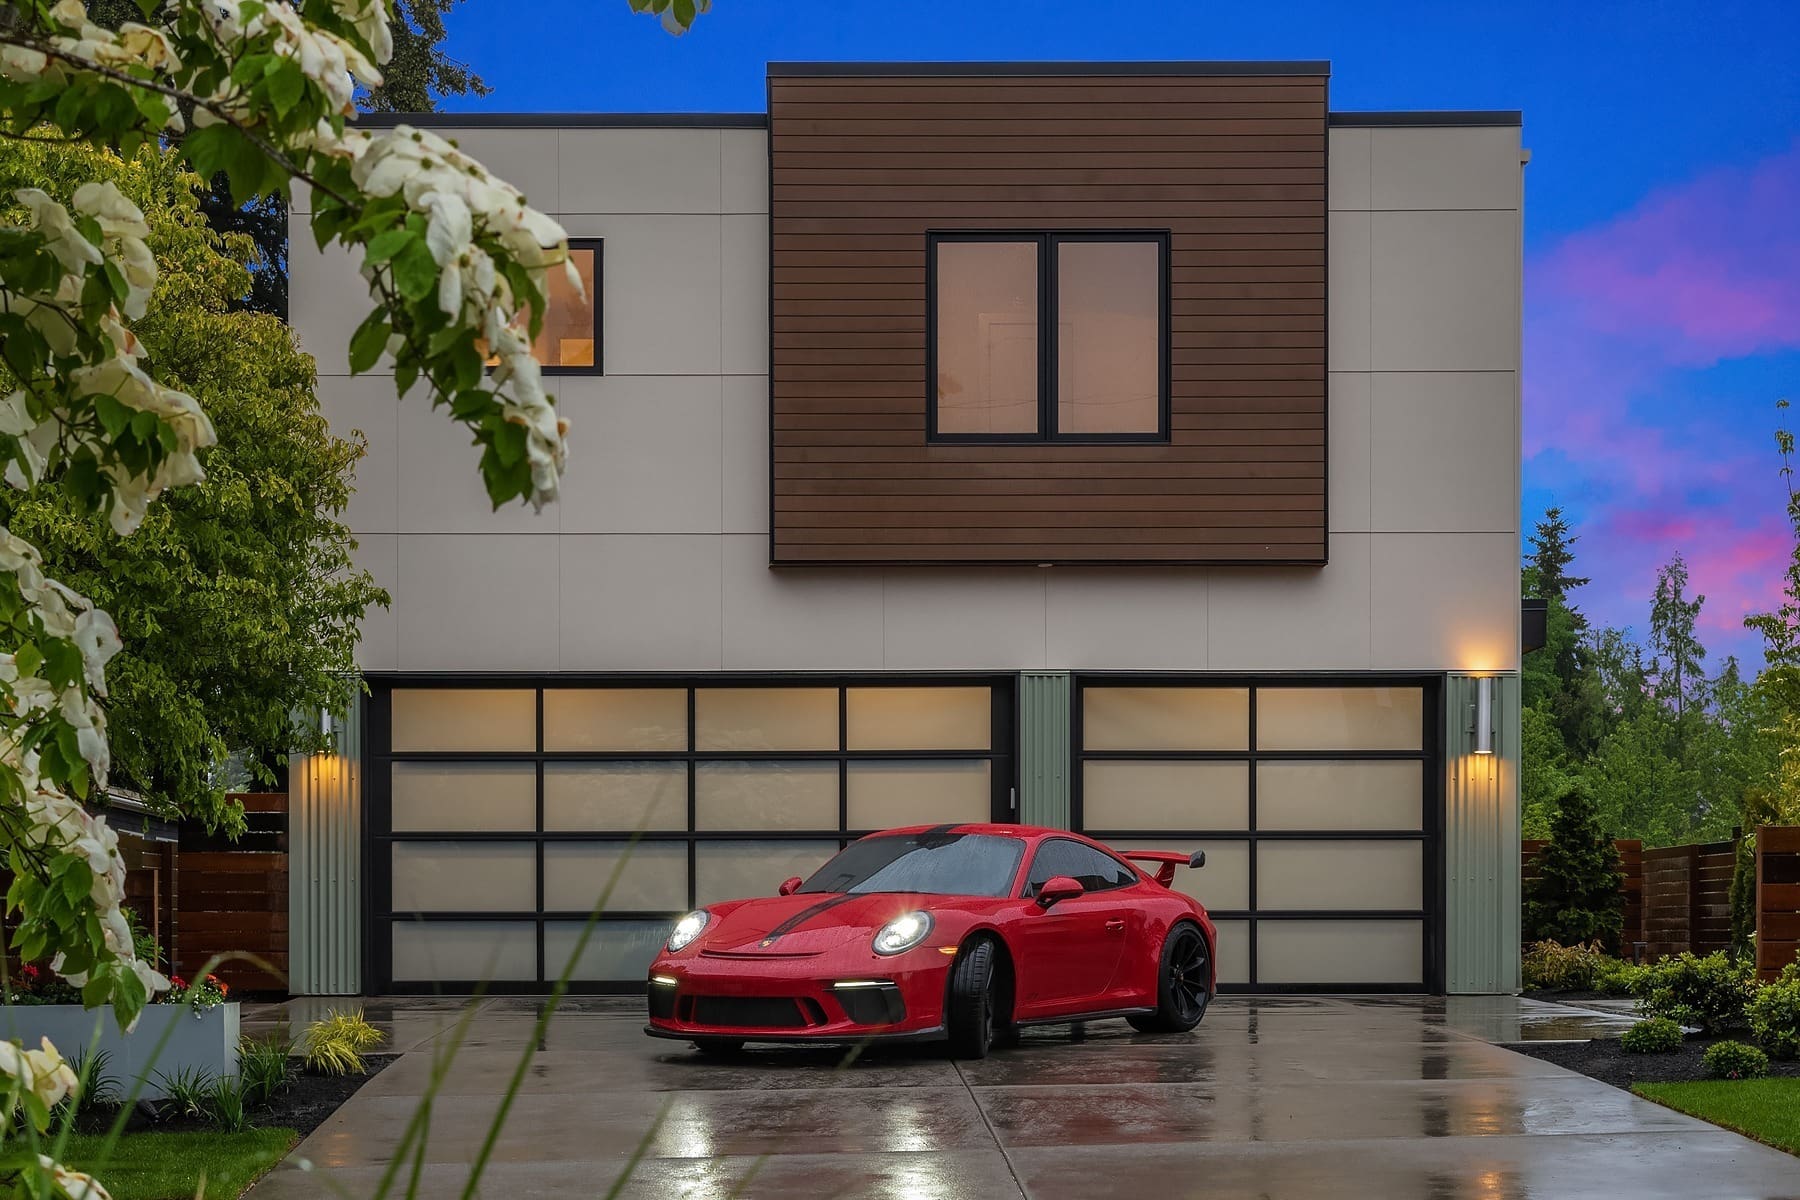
[(420, 73), (1680, 656), (1575, 898), (1551, 554)]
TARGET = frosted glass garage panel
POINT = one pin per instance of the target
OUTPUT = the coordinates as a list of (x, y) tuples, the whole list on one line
[(1159, 794), (464, 720), (1340, 718), (884, 794), (464, 877), (615, 719), (652, 876), (919, 718), (1223, 883), (494, 951), (766, 719), (1233, 951), (615, 950), (463, 796), (615, 796), (1350, 794), (731, 796), (1331, 952), (1165, 718), (1340, 875), (733, 870)]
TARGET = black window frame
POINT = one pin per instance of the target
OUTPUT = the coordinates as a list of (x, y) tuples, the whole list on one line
[(596, 297), (1028, 889), (1049, 329)]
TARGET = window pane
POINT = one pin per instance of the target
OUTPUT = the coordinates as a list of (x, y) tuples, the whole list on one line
[(1349, 875), (1340, 952), (766, 795), (464, 877), (987, 337), (1233, 951), (615, 796), (1341, 718), (766, 719), (888, 794), (1223, 883), (919, 718), (464, 719), (615, 950), (1157, 794), (1340, 795), (1093, 870), (611, 719), (568, 336), (1108, 343), (1165, 718), (734, 870), (499, 951), (445, 797), (653, 879)]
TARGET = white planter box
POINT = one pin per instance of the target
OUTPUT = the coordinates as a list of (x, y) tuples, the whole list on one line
[(206, 1041)]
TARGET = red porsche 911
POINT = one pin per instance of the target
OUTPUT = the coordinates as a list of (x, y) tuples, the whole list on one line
[(961, 933)]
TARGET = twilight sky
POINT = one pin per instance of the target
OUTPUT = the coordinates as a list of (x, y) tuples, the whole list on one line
[(1662, 220)]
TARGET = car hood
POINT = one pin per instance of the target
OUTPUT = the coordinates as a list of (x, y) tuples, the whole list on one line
[(805, 924)]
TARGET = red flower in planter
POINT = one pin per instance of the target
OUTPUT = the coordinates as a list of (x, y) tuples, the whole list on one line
[(177, 983), (28, 975)]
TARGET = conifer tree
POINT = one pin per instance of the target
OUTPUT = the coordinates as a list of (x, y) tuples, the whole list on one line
[(1575, 898)]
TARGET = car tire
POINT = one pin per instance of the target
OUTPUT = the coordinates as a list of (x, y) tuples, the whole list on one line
[(1183, 983), (969, 1008), (719, 1047)]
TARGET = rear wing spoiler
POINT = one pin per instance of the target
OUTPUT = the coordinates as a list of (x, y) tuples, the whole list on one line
[(1166, 861)]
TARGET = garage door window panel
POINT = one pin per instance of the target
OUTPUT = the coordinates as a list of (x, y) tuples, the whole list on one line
[(883, 793), (464, 877), (1165, 794), (737, 796), (644, 877), (589, 797), (436, 797)]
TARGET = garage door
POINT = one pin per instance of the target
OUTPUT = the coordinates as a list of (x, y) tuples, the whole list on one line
[(499, 816), (1315, 803)]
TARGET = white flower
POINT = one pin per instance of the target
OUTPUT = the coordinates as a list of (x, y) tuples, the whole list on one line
[(22, 62), (52, 220), (75, 1185)]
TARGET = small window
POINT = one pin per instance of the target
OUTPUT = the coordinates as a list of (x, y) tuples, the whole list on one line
[(1048, 336), (1094, 870), (569, 342)]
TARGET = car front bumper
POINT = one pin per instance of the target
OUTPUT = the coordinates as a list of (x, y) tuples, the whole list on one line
[(822, 998)]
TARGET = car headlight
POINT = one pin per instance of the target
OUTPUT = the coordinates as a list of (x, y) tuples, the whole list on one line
[(902, 933), (688, 928)]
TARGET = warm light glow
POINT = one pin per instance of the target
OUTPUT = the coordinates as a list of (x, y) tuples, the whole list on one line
[(1484, 716), (903, 933), (688, 928), (847, 984)]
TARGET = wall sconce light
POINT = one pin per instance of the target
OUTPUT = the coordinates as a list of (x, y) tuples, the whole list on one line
[(1484, 715), (325, 722)]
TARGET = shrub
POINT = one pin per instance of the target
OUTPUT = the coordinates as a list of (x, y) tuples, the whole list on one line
[(188, 1090), (1557, 968), (1709, 993), (1575, 897), (1658, 1035), (264, 1069), (1616, 978), (1734, 1060), (1775, 1014), (98, 1087), (223, 1105), (334, 1045)]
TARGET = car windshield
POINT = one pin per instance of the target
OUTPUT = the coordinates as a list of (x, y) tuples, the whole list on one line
[(943, 864)]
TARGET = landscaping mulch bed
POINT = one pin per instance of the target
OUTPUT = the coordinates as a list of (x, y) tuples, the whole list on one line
[(1604, 1059), (1567, 997), (303, 1105)]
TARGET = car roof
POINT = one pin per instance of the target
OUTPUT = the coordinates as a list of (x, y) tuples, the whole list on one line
[(1018, 831)]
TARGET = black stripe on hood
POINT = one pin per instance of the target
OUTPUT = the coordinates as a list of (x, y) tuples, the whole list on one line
[(806, 914)]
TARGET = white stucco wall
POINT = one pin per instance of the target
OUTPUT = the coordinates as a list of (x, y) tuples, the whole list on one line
[(656, 557)]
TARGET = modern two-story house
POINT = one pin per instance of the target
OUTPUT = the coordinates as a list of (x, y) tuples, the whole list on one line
[(1126, 447)]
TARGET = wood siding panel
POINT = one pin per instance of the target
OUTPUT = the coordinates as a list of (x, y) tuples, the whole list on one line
[(862, 167)]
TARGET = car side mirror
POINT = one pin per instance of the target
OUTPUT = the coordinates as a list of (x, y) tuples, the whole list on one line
[(790, 885), (1057, 888)]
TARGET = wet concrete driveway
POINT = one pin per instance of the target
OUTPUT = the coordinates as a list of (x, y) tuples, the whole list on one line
[(1302, 1097)]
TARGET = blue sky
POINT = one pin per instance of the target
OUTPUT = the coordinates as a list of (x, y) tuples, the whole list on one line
[(1662, 207)]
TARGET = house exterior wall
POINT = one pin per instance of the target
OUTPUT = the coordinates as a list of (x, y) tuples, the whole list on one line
[(657, 555)]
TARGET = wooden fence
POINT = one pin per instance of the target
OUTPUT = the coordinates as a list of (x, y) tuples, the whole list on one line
[(1687, 898), (1631, 874), (1777, 899), (233, 896)]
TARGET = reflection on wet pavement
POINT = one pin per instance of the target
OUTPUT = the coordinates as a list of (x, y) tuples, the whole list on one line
[(1397, 1097)]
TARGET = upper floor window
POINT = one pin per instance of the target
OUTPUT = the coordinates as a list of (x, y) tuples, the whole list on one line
[(569, 342), (1048, 336)]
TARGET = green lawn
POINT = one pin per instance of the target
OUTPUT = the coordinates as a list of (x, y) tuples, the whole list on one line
[(168, 1166), (1765, 1109)]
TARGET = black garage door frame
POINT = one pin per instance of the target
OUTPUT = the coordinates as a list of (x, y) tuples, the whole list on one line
[(378, 836), (1430, 832)]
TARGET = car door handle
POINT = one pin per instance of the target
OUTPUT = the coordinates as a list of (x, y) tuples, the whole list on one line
[(1116, 925)]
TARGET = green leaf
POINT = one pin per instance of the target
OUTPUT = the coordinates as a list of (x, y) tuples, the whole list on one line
[(415, 271), (113, 415), (286, 85), (509, 442), (369, 340), (384, 246)]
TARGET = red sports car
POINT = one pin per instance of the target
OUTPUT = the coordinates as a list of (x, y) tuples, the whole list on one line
[(961, 933)]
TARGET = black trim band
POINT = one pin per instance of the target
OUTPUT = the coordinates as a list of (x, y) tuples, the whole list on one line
[(935, 1033), (827, 70), (1451, 119), (563, 120)]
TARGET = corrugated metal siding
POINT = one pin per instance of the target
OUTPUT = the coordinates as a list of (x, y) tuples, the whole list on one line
[(1481, 842), (1044, 758), (325, 866)]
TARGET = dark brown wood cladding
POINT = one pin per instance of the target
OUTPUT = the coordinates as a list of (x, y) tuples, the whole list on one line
[(863, 166)]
